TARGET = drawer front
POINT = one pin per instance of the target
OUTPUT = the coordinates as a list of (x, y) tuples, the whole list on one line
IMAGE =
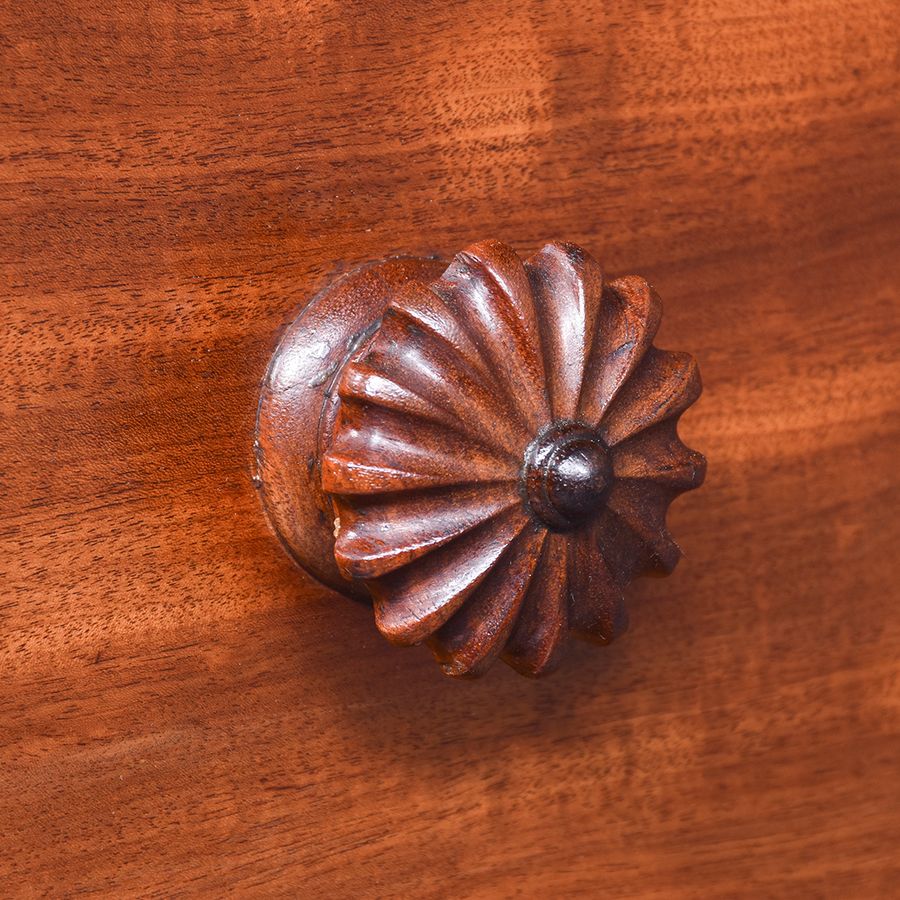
[(184, 711)]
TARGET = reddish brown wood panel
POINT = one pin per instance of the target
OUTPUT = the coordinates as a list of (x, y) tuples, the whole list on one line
[(181, 711)]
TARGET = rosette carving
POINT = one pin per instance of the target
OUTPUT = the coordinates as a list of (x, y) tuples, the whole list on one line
[(503, 455)]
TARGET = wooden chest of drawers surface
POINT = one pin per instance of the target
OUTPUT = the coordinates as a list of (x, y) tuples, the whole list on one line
[(183, 712)]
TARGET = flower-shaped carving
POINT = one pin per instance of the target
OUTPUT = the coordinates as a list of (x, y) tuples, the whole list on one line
[(504, 456)]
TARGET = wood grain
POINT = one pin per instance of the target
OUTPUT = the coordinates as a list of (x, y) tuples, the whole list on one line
[(182, 713)]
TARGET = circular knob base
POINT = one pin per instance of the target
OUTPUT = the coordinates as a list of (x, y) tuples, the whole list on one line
[(297, 406)]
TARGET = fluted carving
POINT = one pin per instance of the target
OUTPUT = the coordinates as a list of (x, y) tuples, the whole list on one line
[(504, 454)]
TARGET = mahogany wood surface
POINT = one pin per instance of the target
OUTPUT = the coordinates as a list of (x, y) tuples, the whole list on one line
[(182, 711)]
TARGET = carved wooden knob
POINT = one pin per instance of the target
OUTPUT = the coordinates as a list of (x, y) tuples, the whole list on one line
[(495, 449)]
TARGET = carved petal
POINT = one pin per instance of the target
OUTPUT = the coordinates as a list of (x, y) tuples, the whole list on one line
[(630, 315), (430, 311), (658, 455), (641, 508), (415, 601), (568, 290), (476, 634), (349, 476), (406, 352), (597, 606), (379, 535), (378, 450), (540, 634), (490, 293), (663, 387), (366, 384)]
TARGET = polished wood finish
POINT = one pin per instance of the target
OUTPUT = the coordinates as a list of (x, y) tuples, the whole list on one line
[(499, 448), (179, 714)]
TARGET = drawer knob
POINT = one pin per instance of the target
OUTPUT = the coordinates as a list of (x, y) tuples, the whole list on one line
[(489, 447)]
